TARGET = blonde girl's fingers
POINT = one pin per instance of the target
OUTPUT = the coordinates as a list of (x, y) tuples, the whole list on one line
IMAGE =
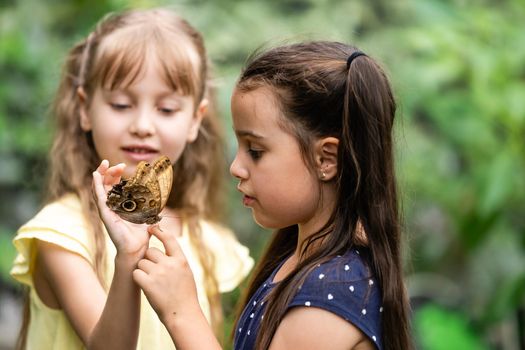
[(103, 167), (141, 278), (146, 265), (169, 241), (98, 188), (103, 170), (154, 254), (113, 174)]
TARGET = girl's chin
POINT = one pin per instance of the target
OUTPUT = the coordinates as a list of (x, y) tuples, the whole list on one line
[(265, 223)]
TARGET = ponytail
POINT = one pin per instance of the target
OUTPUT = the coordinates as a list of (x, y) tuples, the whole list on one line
[(366, 143)]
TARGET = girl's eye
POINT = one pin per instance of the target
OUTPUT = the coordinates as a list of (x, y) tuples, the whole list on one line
[(120, 106), (255, 154), (167, 111)]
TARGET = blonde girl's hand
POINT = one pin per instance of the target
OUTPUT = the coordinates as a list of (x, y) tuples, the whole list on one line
[(128, 238), (167, 280)]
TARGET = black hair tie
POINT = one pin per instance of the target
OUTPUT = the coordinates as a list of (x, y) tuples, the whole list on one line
[(352, 57)]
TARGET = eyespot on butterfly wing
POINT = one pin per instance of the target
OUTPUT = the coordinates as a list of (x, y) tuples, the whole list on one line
[(142, 197)]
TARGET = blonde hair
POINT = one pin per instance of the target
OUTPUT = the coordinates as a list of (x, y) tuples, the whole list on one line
[(112, 56)]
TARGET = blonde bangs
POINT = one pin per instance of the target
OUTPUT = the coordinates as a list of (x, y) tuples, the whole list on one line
[(182, 68), (122, 56)]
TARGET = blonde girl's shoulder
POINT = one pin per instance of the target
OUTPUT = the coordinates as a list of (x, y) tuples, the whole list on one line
[(215, 231), (232, 259), (63, 213), (218, 236), (61, 223)]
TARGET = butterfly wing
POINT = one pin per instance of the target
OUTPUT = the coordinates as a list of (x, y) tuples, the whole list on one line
[(138, 199), (164, 174)]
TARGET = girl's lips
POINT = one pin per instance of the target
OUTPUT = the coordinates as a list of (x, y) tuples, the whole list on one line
[(247, 200), (136, 154)]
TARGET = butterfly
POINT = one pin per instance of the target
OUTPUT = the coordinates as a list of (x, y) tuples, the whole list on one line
[(142, 197)]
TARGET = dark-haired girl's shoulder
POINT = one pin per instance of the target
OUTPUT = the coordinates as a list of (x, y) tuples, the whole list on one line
[(345, 286)]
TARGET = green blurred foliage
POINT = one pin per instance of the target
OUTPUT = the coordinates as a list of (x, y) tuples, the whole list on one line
[(7, 255), (458, 70), (435, 324)]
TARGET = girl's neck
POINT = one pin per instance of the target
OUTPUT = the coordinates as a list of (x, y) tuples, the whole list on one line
[(319, 220), (172, 221), (314, 227)]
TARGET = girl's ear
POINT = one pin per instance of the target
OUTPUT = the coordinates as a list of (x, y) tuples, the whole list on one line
[(85, 123), (193, 132), (326, 158)]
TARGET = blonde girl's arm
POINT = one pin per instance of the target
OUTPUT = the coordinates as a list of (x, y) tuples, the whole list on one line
[(101, 320), (310, 328), (168, 283), (118, 325)]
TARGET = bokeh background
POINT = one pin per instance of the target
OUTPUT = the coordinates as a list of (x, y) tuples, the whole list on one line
[(458, 69)]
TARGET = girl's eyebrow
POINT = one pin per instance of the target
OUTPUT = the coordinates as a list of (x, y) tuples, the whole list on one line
[(127, 91), (241, 133)]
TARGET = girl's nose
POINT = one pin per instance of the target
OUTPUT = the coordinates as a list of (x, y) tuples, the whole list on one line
[(237, 170), (142, 125)]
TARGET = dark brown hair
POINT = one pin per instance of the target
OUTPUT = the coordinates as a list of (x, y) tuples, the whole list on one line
[(113, 56), (320, 96)]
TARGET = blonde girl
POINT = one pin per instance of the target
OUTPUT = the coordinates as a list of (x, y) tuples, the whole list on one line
[(315, 162), (135, 88)]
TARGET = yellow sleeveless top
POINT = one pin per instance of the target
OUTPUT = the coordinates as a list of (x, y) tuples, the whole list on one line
[(62, 223)]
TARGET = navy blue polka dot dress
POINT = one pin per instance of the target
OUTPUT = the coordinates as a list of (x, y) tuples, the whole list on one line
[(344, 285)]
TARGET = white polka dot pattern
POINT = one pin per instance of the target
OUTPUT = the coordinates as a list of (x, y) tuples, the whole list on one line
[(342, 286)]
